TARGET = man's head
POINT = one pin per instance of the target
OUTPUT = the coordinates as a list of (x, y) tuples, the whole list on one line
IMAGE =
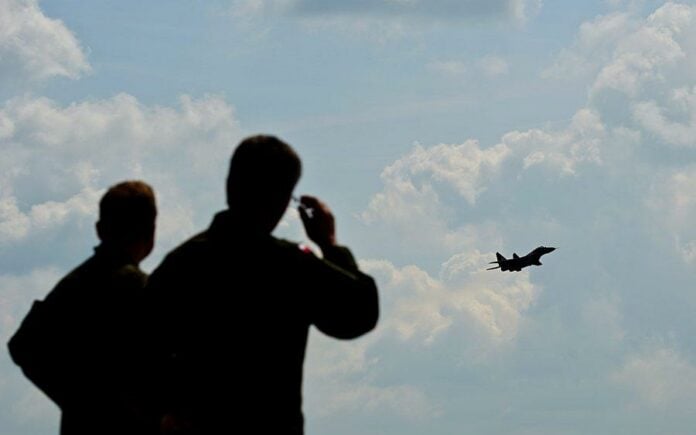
[(127, 214), (263, 173)]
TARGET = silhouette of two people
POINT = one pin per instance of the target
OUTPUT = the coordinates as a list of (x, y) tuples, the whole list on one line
[(217, 339)]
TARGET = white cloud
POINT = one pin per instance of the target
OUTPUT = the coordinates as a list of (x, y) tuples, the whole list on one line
[(486, 306), (660, 378), (644, 87), (15, 225), (417, 202), (580, 143), (646, 53), (411, 183), (654, 118), (482, 309), (58, 159), (36, 46), (631, 54), (410, 202), (465, 167), (593, 47)]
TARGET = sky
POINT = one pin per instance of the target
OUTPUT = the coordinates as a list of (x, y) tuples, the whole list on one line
[(440, 133)]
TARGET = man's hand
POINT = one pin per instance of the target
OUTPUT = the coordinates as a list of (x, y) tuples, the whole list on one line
[(318, 221)]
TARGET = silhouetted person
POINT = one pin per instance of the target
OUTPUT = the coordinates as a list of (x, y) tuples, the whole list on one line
[(77, 344), (234, 304)]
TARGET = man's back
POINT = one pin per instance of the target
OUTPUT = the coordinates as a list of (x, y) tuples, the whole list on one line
[(75, 344), (232, 318)]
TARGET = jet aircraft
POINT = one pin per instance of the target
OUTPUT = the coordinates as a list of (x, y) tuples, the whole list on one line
[(517, 263)]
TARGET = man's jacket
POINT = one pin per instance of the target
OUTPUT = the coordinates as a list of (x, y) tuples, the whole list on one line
[(77, 344), (232, 314)]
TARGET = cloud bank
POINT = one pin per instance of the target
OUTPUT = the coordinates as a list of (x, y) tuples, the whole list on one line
[(33, 45)]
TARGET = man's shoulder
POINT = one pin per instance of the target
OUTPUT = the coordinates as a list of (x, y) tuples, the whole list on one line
[(78, 278)]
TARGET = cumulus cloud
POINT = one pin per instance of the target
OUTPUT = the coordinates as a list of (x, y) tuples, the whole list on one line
[(629, 54), (466, 167), (487, 307), (641, 70), (411, 204), (58, 159), (413, 183), (580, 143), (593, 47), (423, 312), (659, 120), (33, 45), (643, 55), (16, 225)]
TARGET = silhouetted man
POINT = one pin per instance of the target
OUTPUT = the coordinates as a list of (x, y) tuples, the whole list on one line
[(77, 345), (234, 304)]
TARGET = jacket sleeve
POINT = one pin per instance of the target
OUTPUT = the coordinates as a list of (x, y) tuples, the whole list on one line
[(343, 300)]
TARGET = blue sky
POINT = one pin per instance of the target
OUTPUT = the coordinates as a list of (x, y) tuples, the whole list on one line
[(440, 132)]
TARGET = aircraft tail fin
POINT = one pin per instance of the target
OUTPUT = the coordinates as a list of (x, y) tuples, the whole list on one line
[(515, 256), (499, 257)]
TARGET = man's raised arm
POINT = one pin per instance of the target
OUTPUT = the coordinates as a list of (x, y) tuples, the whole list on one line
[(344, 302)]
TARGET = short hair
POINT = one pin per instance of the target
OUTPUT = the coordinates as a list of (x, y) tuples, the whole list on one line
[(262, 165), (127, 211)]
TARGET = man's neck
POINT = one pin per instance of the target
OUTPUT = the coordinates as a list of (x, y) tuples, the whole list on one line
[(121, 254)]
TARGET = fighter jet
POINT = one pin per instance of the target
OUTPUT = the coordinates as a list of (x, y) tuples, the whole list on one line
[(516, 263)]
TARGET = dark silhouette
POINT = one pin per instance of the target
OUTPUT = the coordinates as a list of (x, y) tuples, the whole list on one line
[(233, 305), (516, 263), (76, 345)]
